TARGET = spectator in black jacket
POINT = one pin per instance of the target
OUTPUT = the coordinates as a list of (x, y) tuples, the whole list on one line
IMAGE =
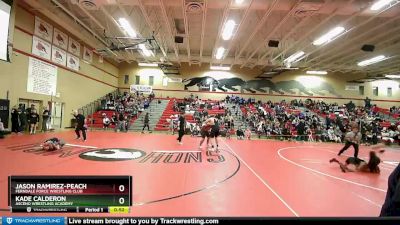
[(46, 120), (146, 123), (391, 207), (33, 121), (15, 121)]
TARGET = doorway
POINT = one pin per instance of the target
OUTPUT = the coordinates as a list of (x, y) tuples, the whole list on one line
[(57, 111)]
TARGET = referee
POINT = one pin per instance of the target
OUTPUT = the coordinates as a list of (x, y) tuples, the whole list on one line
[(182, 126), (80, 125), (352, 138)]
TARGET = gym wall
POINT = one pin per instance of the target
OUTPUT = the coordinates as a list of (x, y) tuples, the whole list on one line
[(76, 88), (329, 88)]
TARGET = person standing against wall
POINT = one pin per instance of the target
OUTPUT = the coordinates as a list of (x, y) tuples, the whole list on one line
[(80, 125), (182, 127), (367, 103), (45, 119), (15, 122), (33, 121), (22, 118)]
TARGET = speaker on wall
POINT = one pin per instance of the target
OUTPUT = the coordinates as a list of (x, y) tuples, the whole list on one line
[(178, 39), (368, 48), (273, 43)]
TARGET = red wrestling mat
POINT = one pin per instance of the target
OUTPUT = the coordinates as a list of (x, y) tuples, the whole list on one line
[(246, 178)]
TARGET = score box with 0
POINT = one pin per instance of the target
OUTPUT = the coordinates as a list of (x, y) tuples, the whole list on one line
[(44, 191)]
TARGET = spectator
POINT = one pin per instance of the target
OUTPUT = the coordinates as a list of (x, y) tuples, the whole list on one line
[(45, 120)]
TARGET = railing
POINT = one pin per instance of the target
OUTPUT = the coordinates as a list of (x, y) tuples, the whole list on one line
[(94, 106)]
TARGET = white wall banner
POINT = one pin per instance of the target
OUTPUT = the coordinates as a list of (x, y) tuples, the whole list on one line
[(165, 81), (42, 77), (74, 47), (58, 56), (145, 89), (43, 29), (175, 80), (72, 62), (60, 39), (41, 48), (87, 55), (351, 87)]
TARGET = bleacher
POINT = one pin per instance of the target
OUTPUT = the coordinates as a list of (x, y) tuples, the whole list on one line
[(96, 119), (163, 124)]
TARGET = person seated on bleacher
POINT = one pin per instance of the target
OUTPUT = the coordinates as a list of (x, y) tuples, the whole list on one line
[(194, 129), (389, 135), (106, 121), (240, 134), (247, 134)]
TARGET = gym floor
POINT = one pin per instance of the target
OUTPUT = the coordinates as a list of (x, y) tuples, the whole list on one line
[(246, 178)]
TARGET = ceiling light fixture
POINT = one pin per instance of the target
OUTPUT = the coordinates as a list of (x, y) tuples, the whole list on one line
[(239, 2), (393, 76), (226, 68), (148, 64), (317, 72), (145, 51), (220, 53), (127, 27), (380, 4), (227, 32), (372, 60), (295, 57), (330, 36)]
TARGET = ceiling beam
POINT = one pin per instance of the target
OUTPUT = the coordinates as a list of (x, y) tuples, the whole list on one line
[(344, 48), (281, 22), (256, 29), (221, 25), (150, 24), (203, 27), (111, 18), (97, 22), (347, 32), (169, 29), (345, 60), (185, 20), (127, 17), (244, 18), (306, 35), (287, 35)]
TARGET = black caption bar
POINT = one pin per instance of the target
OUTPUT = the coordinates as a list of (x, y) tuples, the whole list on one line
[(70, 209), (235, 220)]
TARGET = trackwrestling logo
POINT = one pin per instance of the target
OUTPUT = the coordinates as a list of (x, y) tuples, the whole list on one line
[(112, 154)]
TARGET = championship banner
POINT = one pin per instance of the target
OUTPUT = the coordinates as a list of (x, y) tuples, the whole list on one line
[(41, 48), (59, 56), (72, 62), (145, 89), (87, 55), (60, 39), (74, 47), (43, 29)]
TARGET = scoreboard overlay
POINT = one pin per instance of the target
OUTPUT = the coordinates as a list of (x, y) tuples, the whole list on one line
[(46, 194)]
